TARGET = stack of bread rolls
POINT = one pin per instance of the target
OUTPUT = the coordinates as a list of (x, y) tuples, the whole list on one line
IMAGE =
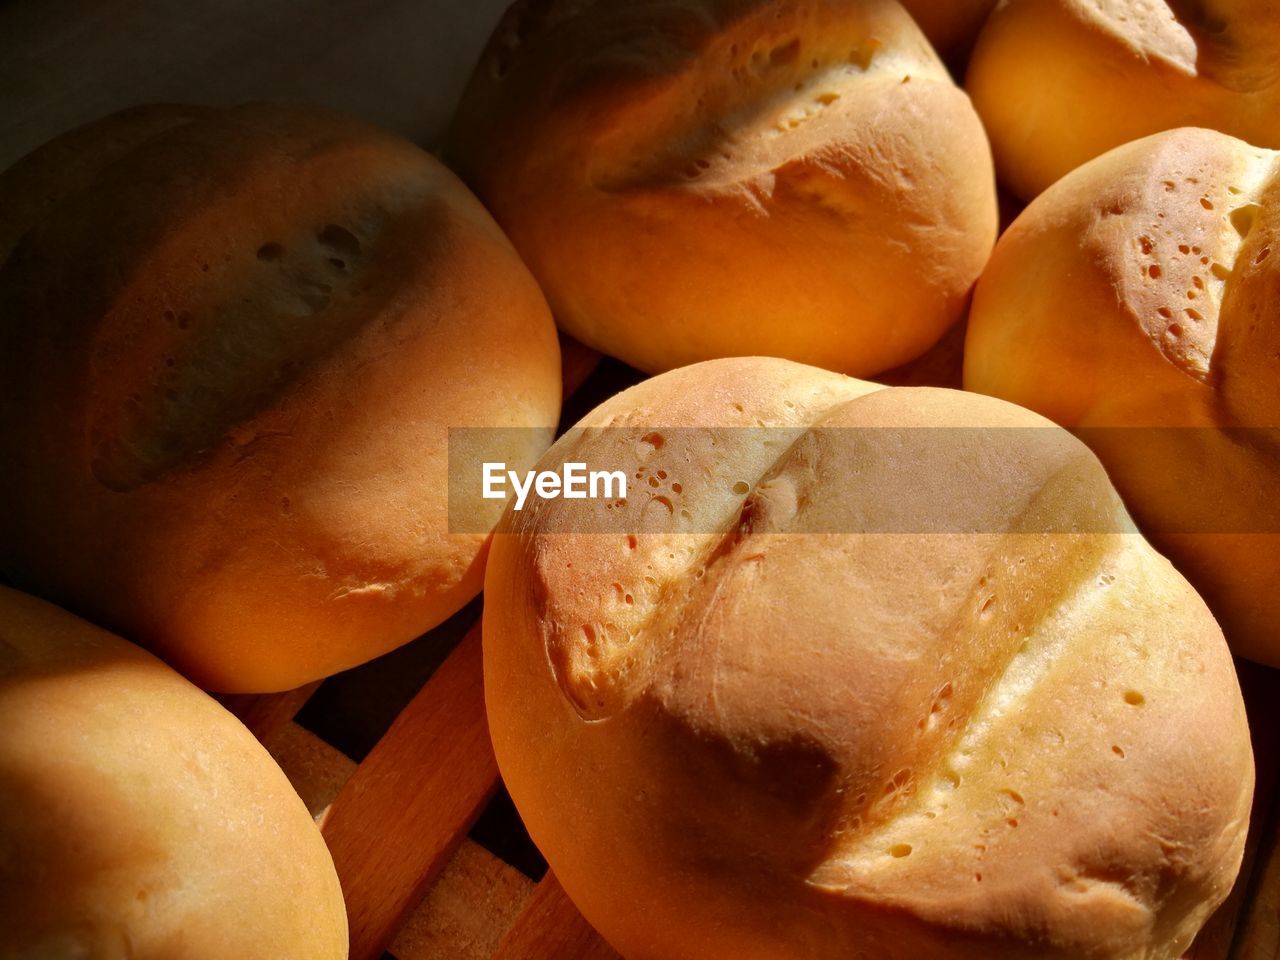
[(850, 670)]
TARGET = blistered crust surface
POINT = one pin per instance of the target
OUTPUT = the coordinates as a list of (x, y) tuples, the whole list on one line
[(1135, 294)]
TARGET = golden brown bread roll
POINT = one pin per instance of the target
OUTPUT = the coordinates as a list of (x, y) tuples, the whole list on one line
[(1136, 300), (138, 818), (1058, 82), (232, 343), (706, 178), (893, 679)]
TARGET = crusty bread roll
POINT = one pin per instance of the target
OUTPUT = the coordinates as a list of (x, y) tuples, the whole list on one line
[(1058, 82), (854, 686), (1136, 300), (232, 343), (707, 178), (951, 25), (138, 818)]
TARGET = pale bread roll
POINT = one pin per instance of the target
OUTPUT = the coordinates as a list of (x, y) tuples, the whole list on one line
[(737, 727), (1058, 82), (1136, 299), (140, 819), (232, 344), (707, 178)]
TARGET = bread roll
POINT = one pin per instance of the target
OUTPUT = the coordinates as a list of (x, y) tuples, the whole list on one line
[(232, 343), (715, 177), (1136, 300), (1058, 82), (138, 818), (862, 673)]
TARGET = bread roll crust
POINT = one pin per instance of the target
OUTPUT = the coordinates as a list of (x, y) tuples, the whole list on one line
[(138, 817), (709, 178), (737, 727), (1163, 250), (1059, 82), (232, 350)]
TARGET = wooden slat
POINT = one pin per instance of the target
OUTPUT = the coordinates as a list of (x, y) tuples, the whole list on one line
[(469, 909), (263, 713), (315, 769), (410, 803), (551, 928)]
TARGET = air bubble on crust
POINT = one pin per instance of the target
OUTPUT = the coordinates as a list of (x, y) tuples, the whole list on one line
[(340, 240), (1243, 218), (784, 53), (664, 501)]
